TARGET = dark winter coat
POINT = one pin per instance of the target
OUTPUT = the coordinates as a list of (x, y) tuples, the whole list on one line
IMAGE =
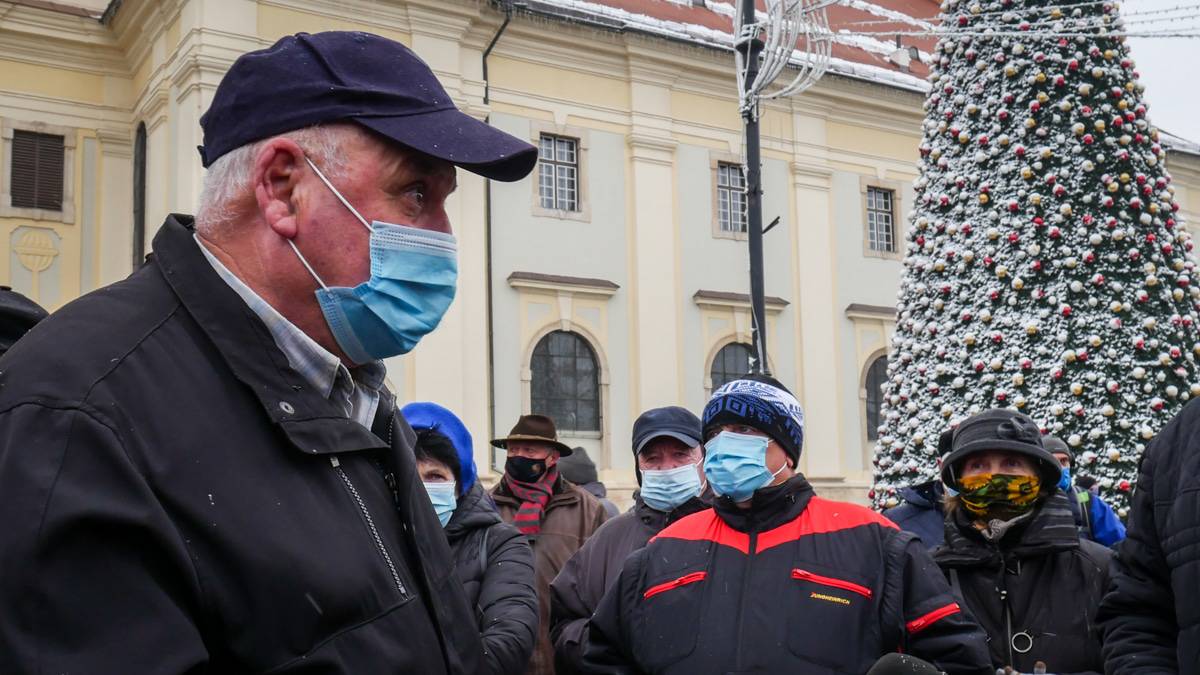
[(1053, 581), (177, 499), (576, 591), (495, 564), (1151, 615), (921, 513), (571, 516), (796, 583)]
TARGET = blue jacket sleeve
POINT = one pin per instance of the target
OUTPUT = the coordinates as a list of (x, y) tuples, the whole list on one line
[(1107, 529)]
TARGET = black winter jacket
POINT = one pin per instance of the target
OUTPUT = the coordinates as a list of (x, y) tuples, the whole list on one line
[(1151, 615), (177, 499), (1053, 582), (495, 565), (576, 591), (794, 584)]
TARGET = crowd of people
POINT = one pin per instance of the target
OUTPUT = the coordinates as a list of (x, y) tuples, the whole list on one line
[(202, 470)]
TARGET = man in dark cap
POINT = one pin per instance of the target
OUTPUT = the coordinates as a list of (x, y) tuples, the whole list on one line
[(1012, 552), (1094, 518), (670, 470), (774, 579), (556, 515), (18, 314), (200, 467)]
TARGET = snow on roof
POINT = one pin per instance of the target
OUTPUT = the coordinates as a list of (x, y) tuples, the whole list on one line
[(710, 23), (1178, 143)]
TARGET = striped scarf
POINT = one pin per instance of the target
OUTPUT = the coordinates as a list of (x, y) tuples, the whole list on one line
[(534, 497)]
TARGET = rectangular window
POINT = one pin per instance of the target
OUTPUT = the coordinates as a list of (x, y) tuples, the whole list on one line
[(558, 173), (731, 197), (37, 170), (881, 220)]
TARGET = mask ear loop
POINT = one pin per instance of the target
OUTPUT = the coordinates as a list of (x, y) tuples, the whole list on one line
[(339, 195), (345, 203)]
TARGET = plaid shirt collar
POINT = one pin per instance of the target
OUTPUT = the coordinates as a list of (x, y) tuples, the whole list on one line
[(321, 369)]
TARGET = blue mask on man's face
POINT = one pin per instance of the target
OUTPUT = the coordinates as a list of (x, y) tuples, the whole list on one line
[(736, 464), (414, 273), (1064, 483), (664, 490)]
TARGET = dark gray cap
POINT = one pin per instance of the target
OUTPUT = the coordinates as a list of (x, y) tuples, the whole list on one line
[(1000, 430), (672, 421)]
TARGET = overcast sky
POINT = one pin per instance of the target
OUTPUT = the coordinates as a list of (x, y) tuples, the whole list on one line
[(1170, 67)]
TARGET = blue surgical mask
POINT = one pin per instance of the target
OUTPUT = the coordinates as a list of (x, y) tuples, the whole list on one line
[(413, 277), (666, 489), (445, 499), (736, 465), (1064, 483)]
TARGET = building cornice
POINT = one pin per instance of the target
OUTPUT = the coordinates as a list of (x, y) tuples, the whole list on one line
[(557, 283), (873, 312), (724, 300)]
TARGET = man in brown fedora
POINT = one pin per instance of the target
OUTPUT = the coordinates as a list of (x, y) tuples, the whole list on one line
[(556, 515)]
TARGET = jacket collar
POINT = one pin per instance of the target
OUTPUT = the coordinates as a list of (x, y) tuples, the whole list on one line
[(309, 421), (475, 510), (1052, 529), (658, 520), (769, 508)]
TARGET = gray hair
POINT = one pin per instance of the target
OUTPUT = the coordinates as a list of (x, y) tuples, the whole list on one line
[(228, 179)]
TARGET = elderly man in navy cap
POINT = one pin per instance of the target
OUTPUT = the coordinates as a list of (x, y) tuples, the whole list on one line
[(200, 467)]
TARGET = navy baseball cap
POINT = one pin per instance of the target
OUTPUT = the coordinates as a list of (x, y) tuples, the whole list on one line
[(358, 77), (673, 421)]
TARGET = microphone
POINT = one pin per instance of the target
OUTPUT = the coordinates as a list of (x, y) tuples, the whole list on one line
[(902, 664)]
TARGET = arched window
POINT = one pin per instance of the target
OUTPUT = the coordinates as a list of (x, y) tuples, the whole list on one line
[(566, 382), (876, 376), (732, 362), (139, 195)]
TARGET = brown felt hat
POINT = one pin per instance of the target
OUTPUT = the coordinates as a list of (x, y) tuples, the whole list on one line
[(534, 428)]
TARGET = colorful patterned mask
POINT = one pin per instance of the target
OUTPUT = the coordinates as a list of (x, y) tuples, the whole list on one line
[(984, 492)]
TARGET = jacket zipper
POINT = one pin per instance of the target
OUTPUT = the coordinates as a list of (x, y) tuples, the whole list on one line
[(362, 507), (832, 582), (752, 553), (671, 585)]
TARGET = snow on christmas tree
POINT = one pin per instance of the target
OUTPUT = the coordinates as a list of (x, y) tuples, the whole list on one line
[(1045, 269)]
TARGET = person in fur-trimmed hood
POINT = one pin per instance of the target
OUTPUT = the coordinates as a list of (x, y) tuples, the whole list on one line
[(1012, 551)]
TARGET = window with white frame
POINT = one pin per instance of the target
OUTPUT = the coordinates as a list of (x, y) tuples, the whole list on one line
[(558, 172), (731, 197), (881, 220)]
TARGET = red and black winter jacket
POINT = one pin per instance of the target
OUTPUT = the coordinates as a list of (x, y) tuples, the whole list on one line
[(794, 584)]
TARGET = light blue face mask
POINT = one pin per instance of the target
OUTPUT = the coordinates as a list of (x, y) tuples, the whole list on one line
[(445, 499), (414, 273), (1064, 483), (666, 489), (736, 465)]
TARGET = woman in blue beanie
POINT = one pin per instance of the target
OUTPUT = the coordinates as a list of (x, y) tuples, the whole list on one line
[(492, 559)]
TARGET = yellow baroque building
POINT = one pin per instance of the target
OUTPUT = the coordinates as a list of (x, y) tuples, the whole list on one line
[(610, 281)]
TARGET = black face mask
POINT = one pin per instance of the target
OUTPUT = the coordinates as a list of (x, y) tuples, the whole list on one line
[(525, 469)]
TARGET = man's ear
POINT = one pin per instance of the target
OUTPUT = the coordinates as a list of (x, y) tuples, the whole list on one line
[(552, 458), (277, 171)]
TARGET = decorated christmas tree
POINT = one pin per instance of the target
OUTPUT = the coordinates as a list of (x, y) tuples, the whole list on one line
[(1045, 270)]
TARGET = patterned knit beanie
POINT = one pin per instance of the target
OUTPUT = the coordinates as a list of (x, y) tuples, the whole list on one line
[(761, 402)]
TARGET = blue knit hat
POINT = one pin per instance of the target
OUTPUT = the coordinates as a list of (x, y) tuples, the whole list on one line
[(425, 415), (761, 402)]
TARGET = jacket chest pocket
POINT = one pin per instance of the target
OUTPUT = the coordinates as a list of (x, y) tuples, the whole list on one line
[(827, 608), (672, 610)]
